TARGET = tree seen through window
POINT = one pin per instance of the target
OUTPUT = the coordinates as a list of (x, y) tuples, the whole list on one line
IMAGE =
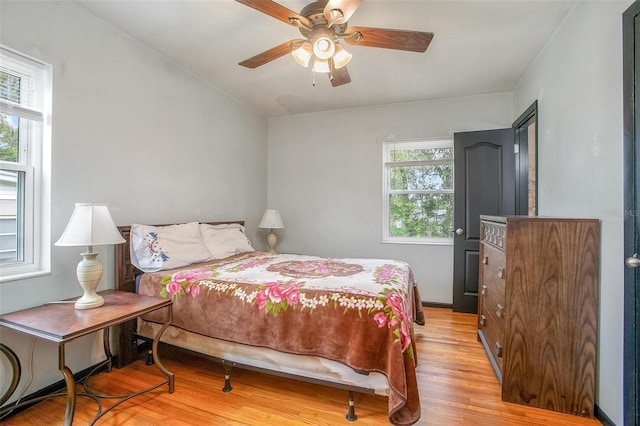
[(419, 190)]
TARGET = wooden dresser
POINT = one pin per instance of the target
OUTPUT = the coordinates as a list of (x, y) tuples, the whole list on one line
[(538, 309)]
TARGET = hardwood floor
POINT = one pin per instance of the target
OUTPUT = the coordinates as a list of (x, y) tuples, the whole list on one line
[(457, 387)]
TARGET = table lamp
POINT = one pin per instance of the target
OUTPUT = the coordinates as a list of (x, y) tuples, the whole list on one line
[(90, 225), (271, 220)]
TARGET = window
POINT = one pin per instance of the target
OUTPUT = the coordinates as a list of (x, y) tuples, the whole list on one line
[(418, 191), (25, 162)]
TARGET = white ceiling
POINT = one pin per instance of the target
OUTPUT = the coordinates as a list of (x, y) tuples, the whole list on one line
[(479, 47)]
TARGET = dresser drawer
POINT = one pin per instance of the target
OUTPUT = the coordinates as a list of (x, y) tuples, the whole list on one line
[(497, 312), (493, 280), (494, 336), (493, 261), (494, 234)]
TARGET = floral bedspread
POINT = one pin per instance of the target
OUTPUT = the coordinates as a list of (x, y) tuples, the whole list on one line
[(359, 312)]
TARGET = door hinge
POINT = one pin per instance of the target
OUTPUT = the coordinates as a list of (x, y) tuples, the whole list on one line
[(516, 148)]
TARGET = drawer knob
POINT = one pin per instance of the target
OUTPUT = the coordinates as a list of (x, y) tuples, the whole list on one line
[(484, 290), (500, 311), (483, 320), (499, 349), (500, 273), (485, 260)]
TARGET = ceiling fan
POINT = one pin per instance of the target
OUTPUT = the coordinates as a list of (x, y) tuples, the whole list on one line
[(324, 25)]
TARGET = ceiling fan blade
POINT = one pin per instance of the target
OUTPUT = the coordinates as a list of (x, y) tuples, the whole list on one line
[(271, 54), (413, 41), (275, 10), (347, 7), (340, 77)]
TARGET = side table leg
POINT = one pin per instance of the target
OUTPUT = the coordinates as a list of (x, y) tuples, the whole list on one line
[(154, 351), (17, 372), (107, 350), (71, 387)]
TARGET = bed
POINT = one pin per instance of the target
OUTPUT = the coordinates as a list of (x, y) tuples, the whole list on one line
[(346, 323)]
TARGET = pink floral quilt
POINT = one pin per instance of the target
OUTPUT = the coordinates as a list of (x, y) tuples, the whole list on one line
[(359, 312)]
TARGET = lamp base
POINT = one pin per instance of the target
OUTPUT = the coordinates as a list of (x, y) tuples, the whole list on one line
[(89, 303), (271, 241), (89, 272)]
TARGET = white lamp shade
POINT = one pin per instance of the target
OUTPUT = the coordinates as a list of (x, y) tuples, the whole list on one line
[(271, 220), (303, 54), (90, 225), (321, 65), (342, 57)]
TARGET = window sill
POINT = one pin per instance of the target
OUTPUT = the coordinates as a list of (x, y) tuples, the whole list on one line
[(23, 276), (423, 242)]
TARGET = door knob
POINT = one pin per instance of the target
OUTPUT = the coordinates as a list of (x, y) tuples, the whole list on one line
[(633, 261), (459, 231)]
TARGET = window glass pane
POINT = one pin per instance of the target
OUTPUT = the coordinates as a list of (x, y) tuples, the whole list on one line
[(25, 164), (9, 137), (416, 178), (9, 87), (9, 184), (420, 215), (442, 153)]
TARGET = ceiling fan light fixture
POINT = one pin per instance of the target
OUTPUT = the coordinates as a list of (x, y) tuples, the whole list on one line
[(323, 47), (321, 65), (303, 54), (341, 57)]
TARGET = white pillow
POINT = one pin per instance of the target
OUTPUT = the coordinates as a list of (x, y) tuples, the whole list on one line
[(155, 248), (225, 240)]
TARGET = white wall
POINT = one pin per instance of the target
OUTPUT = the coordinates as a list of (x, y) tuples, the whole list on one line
[(577, 80), (135, 131), (325, 177)]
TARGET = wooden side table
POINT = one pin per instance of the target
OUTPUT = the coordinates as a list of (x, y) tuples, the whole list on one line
[(61, 323)]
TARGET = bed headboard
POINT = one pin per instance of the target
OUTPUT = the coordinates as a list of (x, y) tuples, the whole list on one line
[(125, 272)]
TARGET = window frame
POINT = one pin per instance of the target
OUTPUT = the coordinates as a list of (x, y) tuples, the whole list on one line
[(388, 146), (33, 199)]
